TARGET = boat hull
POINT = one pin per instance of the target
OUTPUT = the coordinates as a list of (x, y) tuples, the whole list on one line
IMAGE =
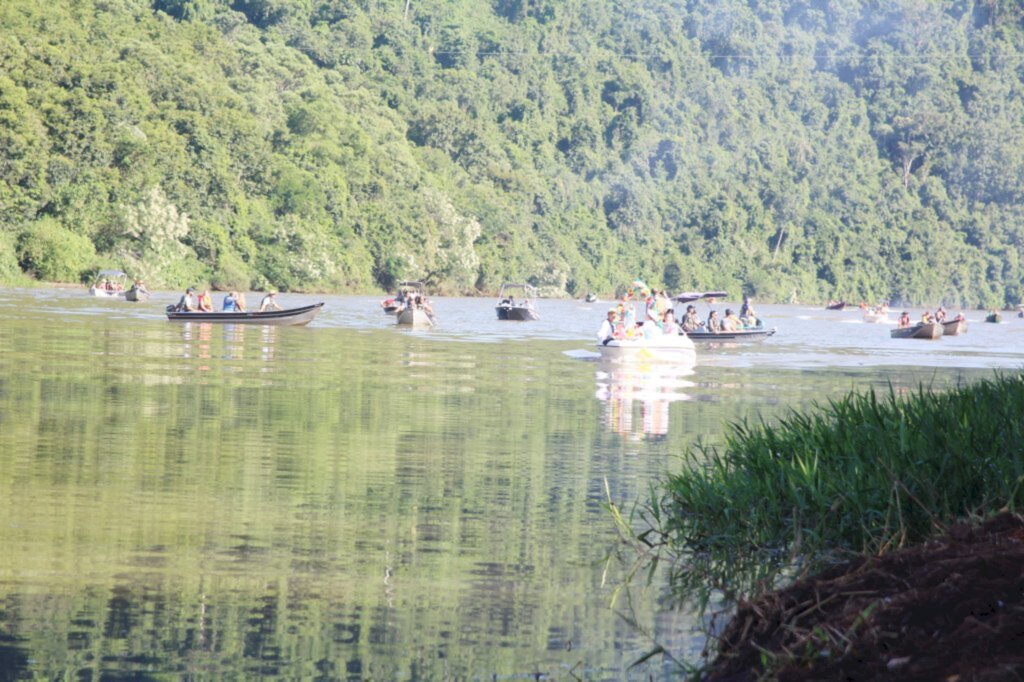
[(954, 328), (932, 330), (516, 313), (746, 335), (105, 293), (670, 348), (415, 318), (287, 317)]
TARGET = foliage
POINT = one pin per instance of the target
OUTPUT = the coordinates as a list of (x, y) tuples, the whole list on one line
[(53, 253), (785, 149), (863, 474)]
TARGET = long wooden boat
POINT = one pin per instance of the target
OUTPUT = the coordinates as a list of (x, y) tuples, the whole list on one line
[(931, 330), (289, 316), (417, 318), (738, 335), (954, 328)]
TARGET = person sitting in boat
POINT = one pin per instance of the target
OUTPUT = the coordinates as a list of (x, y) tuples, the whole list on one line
[(205, 302), (904, 320), (230, 304), (714, 325), (187, 304), (927, 318), (730, 322), (691, 323), (424, 303), (240, 304), (668, 323), (269, 302), (607, 331)]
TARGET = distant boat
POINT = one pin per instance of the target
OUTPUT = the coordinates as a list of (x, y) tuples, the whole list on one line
[(755, 334), (879, 315), (994, 317), (287, 317), (835, 305), (414, 317), (109, 284), (921, 330), (393, 304), (591, 298), (954, 327), (511, 308)]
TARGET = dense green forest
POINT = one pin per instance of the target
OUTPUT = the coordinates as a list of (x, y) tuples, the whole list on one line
[(783, 148)]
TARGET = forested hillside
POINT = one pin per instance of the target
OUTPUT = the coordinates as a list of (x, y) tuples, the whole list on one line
[(782, 148)]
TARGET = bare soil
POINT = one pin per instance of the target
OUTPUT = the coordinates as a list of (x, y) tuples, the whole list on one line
[(951, 610)]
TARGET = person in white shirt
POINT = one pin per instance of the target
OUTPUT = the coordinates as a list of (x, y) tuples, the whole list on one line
[(607, 331)]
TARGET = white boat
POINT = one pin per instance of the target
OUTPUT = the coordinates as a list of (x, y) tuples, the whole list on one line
[(677, 349), (109, 284), (632, 344), (877, 315)]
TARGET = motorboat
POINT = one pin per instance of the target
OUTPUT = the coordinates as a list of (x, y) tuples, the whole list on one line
[(518, 309), (591, 298), (415, 310), (287, 317), (393, 304), (877, 314), (632, 342), (921, 330), (835, 305), (109, 284), (954, 327)]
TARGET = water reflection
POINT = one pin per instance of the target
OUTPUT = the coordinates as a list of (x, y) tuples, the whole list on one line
[(643, 387)]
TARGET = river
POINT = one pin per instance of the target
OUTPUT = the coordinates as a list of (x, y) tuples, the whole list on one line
[(351, 500)]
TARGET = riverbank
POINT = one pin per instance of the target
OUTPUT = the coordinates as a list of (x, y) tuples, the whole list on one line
[(871, 478)]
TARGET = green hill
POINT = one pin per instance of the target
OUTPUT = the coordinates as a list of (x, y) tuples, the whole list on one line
[(783, 148)]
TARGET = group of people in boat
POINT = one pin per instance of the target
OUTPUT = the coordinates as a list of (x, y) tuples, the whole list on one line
[(234, 302), (660, 319), (940, 317), (414, 301)]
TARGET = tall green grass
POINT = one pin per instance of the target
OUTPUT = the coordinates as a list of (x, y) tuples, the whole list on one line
[(865, 473)]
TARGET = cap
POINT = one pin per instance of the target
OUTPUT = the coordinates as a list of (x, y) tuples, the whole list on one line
[(190, 290)]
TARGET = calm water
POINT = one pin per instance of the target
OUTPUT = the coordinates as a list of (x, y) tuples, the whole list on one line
[(349, 500)]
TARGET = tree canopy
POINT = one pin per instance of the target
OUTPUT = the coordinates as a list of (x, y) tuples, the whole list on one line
[(785, 149)]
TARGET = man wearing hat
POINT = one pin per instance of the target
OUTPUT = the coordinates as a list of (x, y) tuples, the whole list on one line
[(269, 302), (187, 304), (607, 331)]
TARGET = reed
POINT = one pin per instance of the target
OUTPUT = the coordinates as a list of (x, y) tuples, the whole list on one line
[(865, 473)]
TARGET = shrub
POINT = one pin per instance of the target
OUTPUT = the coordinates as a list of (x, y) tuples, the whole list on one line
[(53, 253)]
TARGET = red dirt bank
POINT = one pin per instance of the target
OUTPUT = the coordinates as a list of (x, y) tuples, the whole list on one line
[(951, 610)]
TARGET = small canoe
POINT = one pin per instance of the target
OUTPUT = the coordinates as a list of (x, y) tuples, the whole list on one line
[(954, 328), (738, 335), (932, 330), (289, 316)]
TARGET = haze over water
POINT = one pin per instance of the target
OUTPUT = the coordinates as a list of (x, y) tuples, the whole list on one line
[(350, 500)]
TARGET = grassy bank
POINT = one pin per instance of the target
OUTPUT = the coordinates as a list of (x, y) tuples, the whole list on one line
[(866, 473)]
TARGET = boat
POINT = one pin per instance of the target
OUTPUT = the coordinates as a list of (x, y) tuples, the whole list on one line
[(740, 335), (109, 284), (835, 305), (393, 304), (415, 310), (994, 317), (631, 344), (954, 327), (511, 308), (921, 330), (591, 298), (287, 317), (877, 315), (138, 293)]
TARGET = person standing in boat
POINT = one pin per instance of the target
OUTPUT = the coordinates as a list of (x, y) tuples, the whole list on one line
[(940, 315), (747, 310), (269, 302)]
